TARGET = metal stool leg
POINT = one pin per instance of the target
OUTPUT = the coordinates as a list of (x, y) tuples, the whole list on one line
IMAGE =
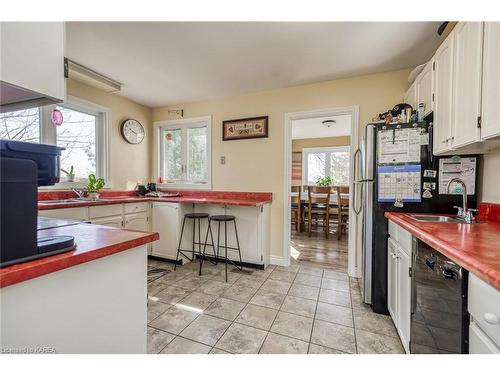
[(238, 243), (179, 247), (194, 235), (202, 255), (225, 245), (218, 239)]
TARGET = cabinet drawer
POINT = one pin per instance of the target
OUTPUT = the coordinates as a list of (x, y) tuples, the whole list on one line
[(479, 343), (131, 208), (103, 211), (484, 307), (75, 213)]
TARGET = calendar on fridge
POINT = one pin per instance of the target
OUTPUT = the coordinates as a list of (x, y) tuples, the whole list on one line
[(399, 183)]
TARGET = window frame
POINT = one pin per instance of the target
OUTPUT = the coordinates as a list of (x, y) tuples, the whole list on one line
[(312, 150), (183, 124), (48, 135)]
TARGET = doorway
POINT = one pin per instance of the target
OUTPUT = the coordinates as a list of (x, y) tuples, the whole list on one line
[(319, 150)]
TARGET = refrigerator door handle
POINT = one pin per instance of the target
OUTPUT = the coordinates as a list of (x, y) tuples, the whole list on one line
[(356, 210)]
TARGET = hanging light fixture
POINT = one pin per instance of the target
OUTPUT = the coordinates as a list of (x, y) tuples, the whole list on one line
[(328, 123)]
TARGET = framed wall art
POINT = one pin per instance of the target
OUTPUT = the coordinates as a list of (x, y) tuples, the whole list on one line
[(245, 128)]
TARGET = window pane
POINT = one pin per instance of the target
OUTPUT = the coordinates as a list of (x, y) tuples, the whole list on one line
[(78, 135), (21, 125), (197, 155), (316, 165), (339, 167), (172, 162)]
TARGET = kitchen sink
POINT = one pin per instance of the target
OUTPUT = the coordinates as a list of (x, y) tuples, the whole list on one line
[(68, 200), (436, 218)]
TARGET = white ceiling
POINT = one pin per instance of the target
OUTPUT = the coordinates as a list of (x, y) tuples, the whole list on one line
[(313, 127), (162, 63)]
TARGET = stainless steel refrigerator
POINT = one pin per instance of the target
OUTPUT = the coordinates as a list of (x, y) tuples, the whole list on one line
[(395, 170)]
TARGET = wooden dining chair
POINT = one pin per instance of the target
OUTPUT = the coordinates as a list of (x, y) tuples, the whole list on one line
[(317, 206), (340, 213), (296, 207)]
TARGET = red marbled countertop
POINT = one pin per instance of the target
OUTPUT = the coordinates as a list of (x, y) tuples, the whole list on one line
[(92, 242), (115, 197), (476, 247)]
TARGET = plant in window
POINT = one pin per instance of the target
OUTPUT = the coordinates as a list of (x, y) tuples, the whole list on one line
[(324, 181), (70, 174), (94, 185)]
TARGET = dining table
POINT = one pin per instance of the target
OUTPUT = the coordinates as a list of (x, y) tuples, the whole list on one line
[(304, 197)]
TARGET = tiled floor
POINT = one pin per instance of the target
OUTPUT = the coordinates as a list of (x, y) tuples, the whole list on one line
[(317, 251), (296, 309)]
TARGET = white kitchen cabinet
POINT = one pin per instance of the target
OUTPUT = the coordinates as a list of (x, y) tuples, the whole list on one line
[(75, 213), (392, 281), (404, 297), (443, 89), (410, 96), (105, 210), (138, 221), (490, 115), (399, 281), (479, 342), (32, 64), (110, 221), (166, 220), (423, 88), (467, 70)]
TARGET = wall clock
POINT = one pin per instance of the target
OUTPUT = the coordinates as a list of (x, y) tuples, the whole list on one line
[(132, 131)]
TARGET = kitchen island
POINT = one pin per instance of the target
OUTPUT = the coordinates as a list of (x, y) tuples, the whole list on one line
[(88, 300)]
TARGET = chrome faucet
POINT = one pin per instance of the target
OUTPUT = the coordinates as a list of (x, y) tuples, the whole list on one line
[(80, 193), (463, 212)]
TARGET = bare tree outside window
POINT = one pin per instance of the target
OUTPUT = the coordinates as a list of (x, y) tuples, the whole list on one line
[(332, 162), (21, 125), (77, 135)]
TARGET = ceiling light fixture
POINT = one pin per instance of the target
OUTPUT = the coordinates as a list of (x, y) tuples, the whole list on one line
[(328, 123)]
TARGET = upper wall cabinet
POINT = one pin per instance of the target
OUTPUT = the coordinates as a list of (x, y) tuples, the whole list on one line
[(443, 76), (32, 64), (423, 88), (490, 117), (468, 38)]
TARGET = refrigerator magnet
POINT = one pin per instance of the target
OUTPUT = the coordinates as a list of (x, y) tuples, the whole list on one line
[(430, 173), (427, 194)]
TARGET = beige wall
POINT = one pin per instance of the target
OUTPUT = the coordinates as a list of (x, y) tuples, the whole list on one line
[(489, 178), (257, 164), (299, 144), (129, 163)]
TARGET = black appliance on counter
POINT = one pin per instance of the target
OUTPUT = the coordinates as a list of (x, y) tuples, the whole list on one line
[(439, 319), (23, 167), (401, 154)]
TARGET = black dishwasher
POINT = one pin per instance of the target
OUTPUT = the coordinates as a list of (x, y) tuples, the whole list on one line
[(440, 320)]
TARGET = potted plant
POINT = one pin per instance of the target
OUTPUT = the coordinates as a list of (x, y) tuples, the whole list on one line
[(70, 175), (324, 181), (93, 186)]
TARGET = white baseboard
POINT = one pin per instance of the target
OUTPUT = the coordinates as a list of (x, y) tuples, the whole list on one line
[(279, 261)]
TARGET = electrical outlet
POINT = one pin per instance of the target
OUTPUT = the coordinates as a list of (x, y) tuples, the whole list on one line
[(223, 160)]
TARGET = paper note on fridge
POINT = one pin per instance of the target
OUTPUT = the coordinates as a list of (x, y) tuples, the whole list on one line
[(457, 167), (399, 146)]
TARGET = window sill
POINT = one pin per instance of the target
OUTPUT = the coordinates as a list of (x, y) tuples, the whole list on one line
[(184, 186)]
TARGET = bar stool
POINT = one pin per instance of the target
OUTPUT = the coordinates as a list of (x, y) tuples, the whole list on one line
[(195, 216), (223, 219)]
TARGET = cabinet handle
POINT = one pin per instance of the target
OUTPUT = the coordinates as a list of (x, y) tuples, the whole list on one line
[(491, 318), (444, 141)]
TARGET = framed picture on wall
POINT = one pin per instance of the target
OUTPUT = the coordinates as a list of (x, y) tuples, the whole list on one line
[(245, 128)]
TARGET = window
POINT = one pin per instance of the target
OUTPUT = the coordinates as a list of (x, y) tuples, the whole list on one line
[(83, 134), (184, 152), (326, 161)]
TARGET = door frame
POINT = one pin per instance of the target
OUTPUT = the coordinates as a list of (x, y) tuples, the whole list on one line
[(354, 251)]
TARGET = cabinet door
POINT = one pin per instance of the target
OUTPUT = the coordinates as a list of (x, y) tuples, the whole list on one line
[(136, 221), (75, 213), (423, 85), (404, 298), (247, 224), (165, 221), (467, 83), (111, 221), (392, 282), (443, 77), (411, 96), (490, 118)]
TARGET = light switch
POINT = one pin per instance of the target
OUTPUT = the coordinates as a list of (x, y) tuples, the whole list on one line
[(223, 160)]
